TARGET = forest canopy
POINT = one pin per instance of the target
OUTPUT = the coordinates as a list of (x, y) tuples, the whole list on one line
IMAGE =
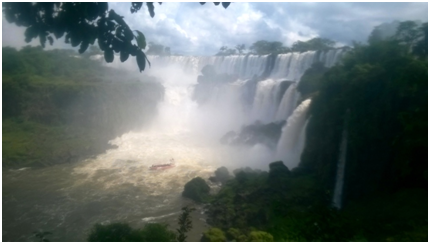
[(264, 47)]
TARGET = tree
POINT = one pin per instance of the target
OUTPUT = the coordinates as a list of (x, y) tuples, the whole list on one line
[(213, 235), (414, 37), (154, 232), (265, 47), (185, 223), (82, 24), (375, 35), (240, 48), (260, 236), (196, 189), (121, 232), (157, 49), (117, 232), (407, 33), (421, 47), (226, 51), (383, 31), (314, 44)]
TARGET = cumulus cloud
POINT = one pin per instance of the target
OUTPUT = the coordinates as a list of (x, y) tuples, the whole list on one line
[(342, 22), (194, 29)]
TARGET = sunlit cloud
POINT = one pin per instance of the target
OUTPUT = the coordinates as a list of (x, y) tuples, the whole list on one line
[(194, 29)]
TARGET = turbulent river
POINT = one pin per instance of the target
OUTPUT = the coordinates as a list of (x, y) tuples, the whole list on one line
[(116, 186)]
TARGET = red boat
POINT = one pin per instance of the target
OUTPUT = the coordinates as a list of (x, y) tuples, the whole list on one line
[(163, 166)]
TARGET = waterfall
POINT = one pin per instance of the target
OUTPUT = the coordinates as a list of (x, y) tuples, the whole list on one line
[(225, 105), (281, 67), (288, 103), (330, 58), (292, 66), (289, 66), (247, 96), (337, 195), (302, 139), (264, 106), (289, 148)]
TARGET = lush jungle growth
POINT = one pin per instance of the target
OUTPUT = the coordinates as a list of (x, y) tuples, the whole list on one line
[(59, 106)]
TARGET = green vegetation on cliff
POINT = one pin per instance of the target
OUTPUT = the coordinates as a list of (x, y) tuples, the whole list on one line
[(59, 107), (283, 203), (292, 206), (197, 189), (385, 88), (311, 80)]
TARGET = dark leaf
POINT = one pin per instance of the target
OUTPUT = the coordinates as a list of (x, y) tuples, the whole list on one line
[(93, 37), (58, 32), (216, 4), (225, 5), (133, 49), (141, 60), (151, 9), (109, 55), (102, 44), (102, 7), (42, 38), (118, 31), (117, 18), (123, 55), (83, 47), (110, 25), (75, 40), (202, 3), (92, 11), (128, 34), (140, 39), (147, 60), (135, 6), (51, 40), (116, 45), (31, 32), (10, 17)]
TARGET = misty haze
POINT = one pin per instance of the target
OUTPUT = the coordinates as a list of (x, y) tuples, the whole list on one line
[(214, 122)]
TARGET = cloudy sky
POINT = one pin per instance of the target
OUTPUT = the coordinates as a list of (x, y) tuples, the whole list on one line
[(194, 29)]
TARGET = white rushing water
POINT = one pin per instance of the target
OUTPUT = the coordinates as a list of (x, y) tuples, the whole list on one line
[(288, 102), (264, 106), (338, 189), (291, 144)]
